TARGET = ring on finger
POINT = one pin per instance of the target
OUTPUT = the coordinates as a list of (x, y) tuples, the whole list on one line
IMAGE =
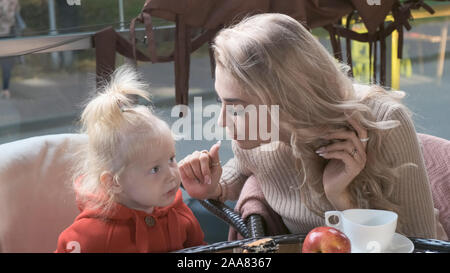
[(364, 139), (214, 164)]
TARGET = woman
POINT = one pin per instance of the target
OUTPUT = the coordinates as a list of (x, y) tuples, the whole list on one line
[(342, 145)]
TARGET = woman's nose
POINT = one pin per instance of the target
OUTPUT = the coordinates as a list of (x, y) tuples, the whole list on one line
[(224, 119)]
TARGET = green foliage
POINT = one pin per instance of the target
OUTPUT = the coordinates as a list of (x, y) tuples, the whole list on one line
[(91, 15)]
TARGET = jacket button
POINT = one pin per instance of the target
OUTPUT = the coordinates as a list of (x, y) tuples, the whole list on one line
[(150, 221)]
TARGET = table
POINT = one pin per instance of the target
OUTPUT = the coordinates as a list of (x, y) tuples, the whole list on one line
[(290, 243)]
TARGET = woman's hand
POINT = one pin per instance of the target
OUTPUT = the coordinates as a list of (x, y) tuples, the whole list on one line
[(347, 158), (200, 173)]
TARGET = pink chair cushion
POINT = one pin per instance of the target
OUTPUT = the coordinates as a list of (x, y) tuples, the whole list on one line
[(36, 199), (436, 153)]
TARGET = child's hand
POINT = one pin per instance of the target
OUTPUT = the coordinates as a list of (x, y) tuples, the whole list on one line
[(200, 173)]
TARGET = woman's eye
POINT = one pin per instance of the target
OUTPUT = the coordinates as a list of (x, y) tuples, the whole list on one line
[(218, 100), (155, 170), (235, 111)]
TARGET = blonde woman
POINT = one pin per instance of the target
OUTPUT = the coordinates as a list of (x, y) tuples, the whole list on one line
[(127, 180), (341, 145)]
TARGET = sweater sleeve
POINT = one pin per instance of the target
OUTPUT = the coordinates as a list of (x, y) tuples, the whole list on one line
[(412, 190), (234, 175)]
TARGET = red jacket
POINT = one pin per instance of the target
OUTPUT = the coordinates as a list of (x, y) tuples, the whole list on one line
[(126, 230)]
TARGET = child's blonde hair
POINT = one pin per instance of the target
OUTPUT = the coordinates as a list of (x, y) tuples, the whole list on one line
[(279, 62), (118, 131)]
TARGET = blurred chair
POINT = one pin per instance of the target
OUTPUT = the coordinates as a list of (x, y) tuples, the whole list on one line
[(441, 39), (36, 199), (436, 153)]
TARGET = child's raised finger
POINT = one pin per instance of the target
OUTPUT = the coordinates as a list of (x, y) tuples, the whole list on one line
[(214, 153), (204, 165)]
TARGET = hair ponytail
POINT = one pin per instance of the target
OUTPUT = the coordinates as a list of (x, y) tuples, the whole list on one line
[(105, 110)]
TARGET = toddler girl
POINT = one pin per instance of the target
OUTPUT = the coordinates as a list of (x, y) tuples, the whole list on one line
[(127, 181)]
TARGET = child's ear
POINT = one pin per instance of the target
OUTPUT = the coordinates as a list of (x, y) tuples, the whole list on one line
[(109, 181)]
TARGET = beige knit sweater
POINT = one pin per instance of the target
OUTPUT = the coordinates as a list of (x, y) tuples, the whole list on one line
[(275, 171)]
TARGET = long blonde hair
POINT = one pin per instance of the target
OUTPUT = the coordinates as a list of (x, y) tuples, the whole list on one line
[(278, 61), (118, 130)]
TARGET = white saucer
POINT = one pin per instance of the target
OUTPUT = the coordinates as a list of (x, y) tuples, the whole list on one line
[(399, 244)]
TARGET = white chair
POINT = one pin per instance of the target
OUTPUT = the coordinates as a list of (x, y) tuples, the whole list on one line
[(36, 199)]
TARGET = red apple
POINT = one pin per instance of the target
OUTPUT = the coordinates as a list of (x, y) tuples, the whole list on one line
[(326, 240)]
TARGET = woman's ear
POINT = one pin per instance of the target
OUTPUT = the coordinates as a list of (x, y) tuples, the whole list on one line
[(110, 181)]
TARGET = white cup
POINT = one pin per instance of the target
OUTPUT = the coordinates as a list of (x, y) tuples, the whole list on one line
[(369, 230)]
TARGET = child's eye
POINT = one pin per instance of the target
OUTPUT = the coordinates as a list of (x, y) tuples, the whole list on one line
[(172, 159), (155, 170)]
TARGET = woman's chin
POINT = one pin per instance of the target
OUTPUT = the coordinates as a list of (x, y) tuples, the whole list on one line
[(248, 144)]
